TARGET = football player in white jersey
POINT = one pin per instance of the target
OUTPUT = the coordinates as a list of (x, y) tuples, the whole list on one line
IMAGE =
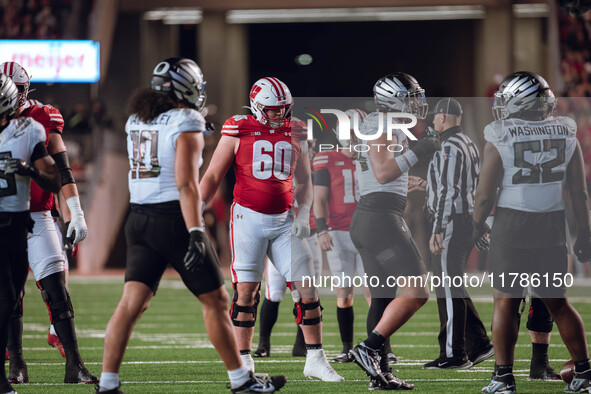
[(531, 156), (165, 143), (378, 229), (47, 258), (22, 141)]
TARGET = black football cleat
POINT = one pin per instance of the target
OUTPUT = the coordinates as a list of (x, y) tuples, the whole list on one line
[(261, 383), (500, 384), (263, 350), (17, 371), (394, 383), (116, 390), (79, 375), (368, 359), (542, 372), (449, 363)]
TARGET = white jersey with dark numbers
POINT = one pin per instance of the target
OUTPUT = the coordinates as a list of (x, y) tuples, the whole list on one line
[(364, 173), (18, 140), (535, 157), (151, 151)]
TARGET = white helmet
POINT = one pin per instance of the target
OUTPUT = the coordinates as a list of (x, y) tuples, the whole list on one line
[(20, 77), (270, 93), (400, 92), (8, 96), (356, 117)]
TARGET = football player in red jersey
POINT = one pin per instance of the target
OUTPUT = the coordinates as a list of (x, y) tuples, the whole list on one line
[(268, 151), (46, 254)]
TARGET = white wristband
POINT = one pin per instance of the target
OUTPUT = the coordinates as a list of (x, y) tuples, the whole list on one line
[(191, 229), (402, 161), (74, 205)]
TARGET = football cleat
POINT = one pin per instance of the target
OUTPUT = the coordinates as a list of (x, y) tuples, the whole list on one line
[(79, 375), (53, 340), (261, 383), (317, 366), (17, 371), (263, 350), (483, 354), (248, 361), (368, 359), (392, 359), (394, 383), (116, 390), (449, 363), (542, 372), (503, 384), (342, 358), (581, 383)]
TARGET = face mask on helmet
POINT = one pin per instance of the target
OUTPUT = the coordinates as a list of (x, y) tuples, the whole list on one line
[(8, 96), (182, 79), (271, 102), (21, 79), (401, 92), (523, 94), (356, 117)]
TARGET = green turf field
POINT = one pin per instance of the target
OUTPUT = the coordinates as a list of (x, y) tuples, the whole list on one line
[(169, 351)]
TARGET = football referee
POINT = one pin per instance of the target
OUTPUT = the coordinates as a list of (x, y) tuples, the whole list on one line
[(451, 181)]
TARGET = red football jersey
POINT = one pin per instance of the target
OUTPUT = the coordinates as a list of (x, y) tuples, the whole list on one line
[(51, 119), (342, 199), (265, 162)]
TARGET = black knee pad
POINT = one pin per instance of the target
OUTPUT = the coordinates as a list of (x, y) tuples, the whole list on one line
[(539, 318), (299, 311), (235, 309), (57, 298)]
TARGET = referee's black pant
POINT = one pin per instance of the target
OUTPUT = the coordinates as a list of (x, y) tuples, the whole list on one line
[(461, 332)]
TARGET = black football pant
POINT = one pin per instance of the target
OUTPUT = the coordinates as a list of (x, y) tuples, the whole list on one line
[(461, 332), (14, 267)]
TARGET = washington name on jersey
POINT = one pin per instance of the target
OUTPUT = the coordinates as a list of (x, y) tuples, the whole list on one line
[(52, 120), (151, 151), (365, 175), (344, 191), (535, 157), (17, 140), (265, 162)]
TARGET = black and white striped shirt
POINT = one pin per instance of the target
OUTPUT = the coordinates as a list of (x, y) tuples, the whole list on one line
[(452, 177)]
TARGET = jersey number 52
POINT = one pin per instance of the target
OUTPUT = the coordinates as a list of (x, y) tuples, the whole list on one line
[(546, 168)]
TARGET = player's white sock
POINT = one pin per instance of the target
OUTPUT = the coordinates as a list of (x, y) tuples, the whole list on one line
[(315, 353), (109, 381), (238, 376), (52, 330)]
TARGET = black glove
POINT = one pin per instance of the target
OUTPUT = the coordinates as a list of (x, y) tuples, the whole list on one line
[(196, 251), (17, 166), (480, 237), (427, 146), (583, 246)]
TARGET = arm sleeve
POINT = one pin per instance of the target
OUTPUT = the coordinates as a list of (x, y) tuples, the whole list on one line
[(39, 152), (322, 178)]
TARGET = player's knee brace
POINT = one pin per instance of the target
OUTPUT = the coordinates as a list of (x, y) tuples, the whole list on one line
[(236, 309), (539, 318), (60, 307), (299, 311)]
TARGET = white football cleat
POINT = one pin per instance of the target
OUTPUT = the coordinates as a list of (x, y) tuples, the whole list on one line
[(248, 361), (317, 366)]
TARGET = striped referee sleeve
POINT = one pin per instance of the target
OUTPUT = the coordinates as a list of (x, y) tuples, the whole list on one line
[(450, 170)]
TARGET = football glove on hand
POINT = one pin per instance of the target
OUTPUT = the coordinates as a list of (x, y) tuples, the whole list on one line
[(196, 251), (17, 166), (427, 146), (77, 229), (301, 224), (582, 246), (480, 236)]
